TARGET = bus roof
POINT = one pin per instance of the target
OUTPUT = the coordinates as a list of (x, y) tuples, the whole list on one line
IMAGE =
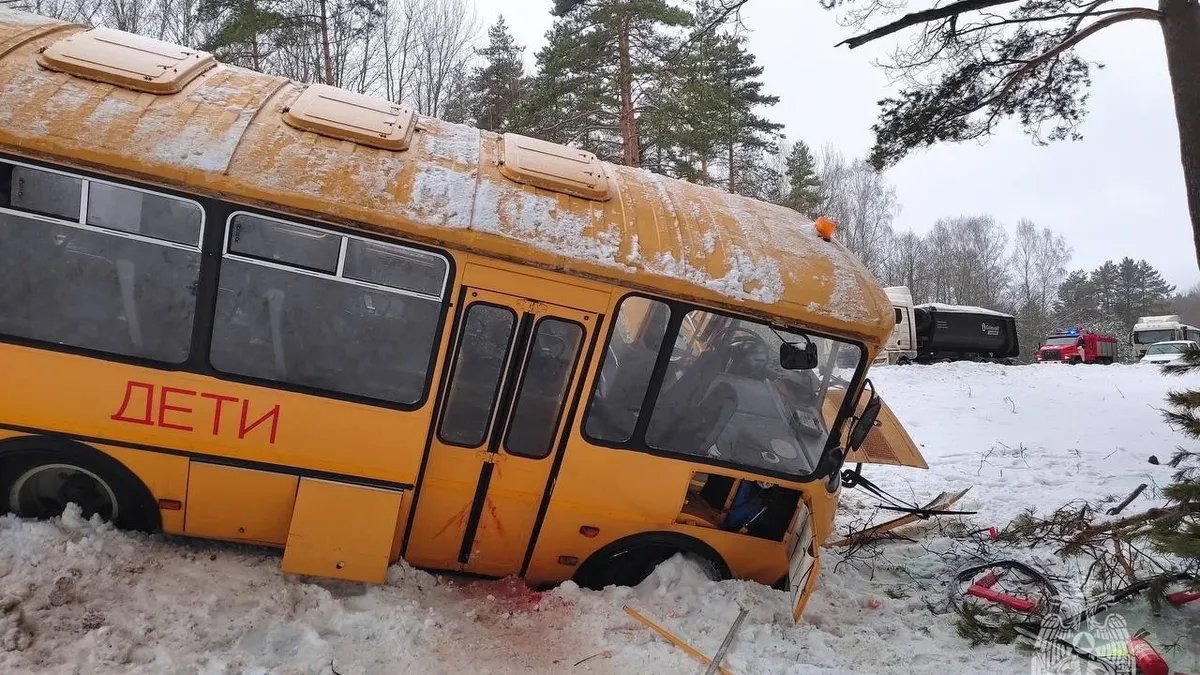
[(224, 134)]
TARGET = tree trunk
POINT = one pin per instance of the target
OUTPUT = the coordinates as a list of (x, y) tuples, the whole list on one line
[(629, 136), (731, 172), (1181, 34), (325, 43)]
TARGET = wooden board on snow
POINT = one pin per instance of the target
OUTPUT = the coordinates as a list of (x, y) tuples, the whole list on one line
[(939, 503)]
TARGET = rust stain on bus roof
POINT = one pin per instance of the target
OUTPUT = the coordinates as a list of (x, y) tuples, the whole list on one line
[(224, 134)]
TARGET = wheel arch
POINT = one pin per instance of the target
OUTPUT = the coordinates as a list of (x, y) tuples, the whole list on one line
[(682, 543), (68, 449)]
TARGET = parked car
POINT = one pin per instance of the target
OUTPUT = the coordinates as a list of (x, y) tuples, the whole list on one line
[(1167, 351)]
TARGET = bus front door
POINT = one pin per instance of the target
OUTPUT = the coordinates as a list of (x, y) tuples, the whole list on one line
[(512, 372)]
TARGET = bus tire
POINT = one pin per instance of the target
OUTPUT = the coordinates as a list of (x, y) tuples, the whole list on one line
[(39, 475), (628, 561)]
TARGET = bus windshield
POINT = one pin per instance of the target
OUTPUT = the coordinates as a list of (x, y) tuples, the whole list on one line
[(724, 395), (1149, 337)]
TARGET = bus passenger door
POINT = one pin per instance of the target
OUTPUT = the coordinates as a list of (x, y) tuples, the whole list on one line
[(512, 374)]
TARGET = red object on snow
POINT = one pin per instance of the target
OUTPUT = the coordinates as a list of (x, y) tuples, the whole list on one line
[(1183, 597), (988, 580), (1148, 660), (992, 533), (1010, 601)]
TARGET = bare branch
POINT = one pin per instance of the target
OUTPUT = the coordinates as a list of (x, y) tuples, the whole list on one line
[(1140, 13), (924, 16)]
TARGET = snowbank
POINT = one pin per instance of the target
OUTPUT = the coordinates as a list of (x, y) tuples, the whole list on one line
[(77, 596)]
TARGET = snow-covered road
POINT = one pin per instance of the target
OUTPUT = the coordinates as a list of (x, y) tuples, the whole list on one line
[(78, 597)]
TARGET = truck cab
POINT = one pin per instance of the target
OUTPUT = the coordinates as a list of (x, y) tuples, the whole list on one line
[(1151, 329), (901, 348)]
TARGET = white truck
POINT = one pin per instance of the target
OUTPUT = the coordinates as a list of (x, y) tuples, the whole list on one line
[(1151, 329), (901, 347)]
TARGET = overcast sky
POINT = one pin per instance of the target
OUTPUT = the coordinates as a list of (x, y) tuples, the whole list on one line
[(1118, 192)]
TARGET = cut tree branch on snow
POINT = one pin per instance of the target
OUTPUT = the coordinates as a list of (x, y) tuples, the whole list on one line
[(1147, 516)]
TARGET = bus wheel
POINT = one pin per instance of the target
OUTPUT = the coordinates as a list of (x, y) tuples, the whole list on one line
[(39, 483), (627, 562)]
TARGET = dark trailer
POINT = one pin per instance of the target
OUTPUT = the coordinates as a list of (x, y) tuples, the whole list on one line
[(959, 333)]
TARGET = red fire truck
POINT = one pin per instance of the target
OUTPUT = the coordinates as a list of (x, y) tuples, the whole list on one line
[(1075, 345)]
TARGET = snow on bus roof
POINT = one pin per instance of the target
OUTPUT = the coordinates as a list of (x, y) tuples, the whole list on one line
[(224, 134), (963, 309)]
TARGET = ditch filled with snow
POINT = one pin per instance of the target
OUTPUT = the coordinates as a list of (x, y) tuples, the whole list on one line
[(77, 596)]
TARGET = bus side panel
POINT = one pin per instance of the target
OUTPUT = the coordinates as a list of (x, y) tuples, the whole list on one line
[(218, 497), (166, 476), (193, 413), (625, 493)]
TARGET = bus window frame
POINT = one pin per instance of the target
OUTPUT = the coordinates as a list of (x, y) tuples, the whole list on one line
[(520, 388), (443, 302), (341, 263), (679, 308), (453, 370), (215, 209), (80, 223)]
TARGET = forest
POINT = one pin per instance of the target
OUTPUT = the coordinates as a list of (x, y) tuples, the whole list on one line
[(667, 86)]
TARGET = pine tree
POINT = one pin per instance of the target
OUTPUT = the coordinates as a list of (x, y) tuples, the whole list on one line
[(705, 123), (1077, 300), (496, 86), (600, 57), (804, 185), (247, 31), (1104, 283), (1179, 532)]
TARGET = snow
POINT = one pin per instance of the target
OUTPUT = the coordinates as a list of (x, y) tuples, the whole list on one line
[(77, 596), (93, 599), (963, 309)]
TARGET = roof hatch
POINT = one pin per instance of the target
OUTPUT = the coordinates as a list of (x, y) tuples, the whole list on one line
[(345, 115), (553, 167), (127, 60)]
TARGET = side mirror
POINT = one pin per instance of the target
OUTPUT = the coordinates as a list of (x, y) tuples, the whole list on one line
[(864, 423), (797, 357)]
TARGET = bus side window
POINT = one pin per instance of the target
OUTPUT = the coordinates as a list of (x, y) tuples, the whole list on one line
[(147, 214), (479, 367), (94, 289), (44, 193), (628, 364), (286, 313)]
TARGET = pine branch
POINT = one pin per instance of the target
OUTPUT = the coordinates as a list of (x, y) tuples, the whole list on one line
[(924, 16), (1089, 533), (1063, 46)]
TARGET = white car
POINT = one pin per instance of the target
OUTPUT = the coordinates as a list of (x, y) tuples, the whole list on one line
[(1165, 352)]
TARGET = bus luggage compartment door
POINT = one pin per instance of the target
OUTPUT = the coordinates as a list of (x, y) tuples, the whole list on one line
[(342, 531)]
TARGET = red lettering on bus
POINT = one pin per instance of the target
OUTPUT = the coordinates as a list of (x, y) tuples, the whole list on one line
[(170, 401), (164, 407), (273, 414), (146, 419), (221, 399)]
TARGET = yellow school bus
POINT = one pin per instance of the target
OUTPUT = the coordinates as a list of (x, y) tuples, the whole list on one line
[(237, 307)]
